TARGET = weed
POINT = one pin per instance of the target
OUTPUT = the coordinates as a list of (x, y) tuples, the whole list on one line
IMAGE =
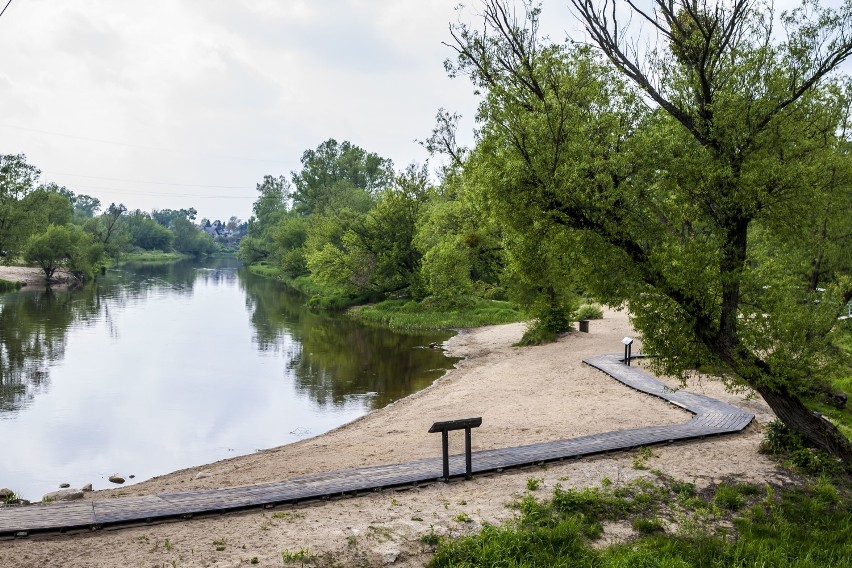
[(728, 497), (168, 544), (300, 555), (352, 540), (381, 534), (640, 461), (589, 312), (220, 543), (606, 482), (416, 518), (254, 560), (647, 526), (463, 518), (430, 537), (288, 516), (534, 483)]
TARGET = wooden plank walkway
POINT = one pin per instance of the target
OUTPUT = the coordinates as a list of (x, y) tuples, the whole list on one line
[(711, 417)]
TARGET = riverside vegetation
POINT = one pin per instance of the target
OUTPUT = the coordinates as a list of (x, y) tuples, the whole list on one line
[(705, 185), (44, 224)]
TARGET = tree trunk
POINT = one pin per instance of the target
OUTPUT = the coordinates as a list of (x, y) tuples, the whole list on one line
[(814, 428)]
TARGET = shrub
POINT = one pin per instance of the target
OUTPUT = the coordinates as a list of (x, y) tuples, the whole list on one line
[(589, 312)]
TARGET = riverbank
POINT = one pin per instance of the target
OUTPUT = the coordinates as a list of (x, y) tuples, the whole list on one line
[(32, 278), (524, 395)]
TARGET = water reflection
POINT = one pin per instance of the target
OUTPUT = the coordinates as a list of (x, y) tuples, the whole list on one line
[(164, 366), (333, 359), (33, 329)]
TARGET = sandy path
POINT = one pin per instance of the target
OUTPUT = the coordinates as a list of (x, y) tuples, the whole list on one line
[(525, 395)]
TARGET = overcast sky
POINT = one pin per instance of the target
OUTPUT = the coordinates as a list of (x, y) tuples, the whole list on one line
[(189, 103)]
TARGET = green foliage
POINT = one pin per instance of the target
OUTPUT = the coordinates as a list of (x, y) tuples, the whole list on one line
[(148, 234), (780, 440), (589, 312), (339, 175), (302, 555), (800, 527), (9, 286), (189, 239), (718, 215), (17, 180), (412, 315), (430, 537), (167, 217), (64, 246)]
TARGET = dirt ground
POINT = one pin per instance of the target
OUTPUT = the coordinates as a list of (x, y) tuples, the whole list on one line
[(33, 278), (524, 395)]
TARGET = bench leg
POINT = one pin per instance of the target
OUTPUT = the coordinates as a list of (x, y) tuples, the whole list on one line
[(468, 466), (446, 447)]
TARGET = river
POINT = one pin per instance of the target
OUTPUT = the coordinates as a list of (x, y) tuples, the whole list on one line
[(157, 367)]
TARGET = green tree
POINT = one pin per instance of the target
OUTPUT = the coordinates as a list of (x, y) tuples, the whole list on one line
[(17, 180), (289, 238), (166, 217), (42, 208), (269, 210), (64, 246), (375, 253), (337, 176), (460, 244), (665, 204), (85, 206), (190, 239), (146, 233), (111, 229)]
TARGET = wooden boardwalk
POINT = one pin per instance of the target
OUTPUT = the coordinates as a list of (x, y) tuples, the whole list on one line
[(711, 417)]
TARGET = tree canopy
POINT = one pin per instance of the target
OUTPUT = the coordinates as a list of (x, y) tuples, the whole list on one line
[(673, 177)]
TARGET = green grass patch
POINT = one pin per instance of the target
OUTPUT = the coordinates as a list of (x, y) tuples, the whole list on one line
[(153, 256), (804, 527), (589, 312), (9, 286), (411, 315)]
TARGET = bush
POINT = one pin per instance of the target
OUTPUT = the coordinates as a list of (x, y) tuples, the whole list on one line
[(589, 312)]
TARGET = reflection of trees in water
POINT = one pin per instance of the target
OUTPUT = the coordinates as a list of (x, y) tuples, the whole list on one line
[(333, 359), (33, 330), (34, 326)]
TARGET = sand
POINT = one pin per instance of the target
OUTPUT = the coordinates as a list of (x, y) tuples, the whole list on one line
[(33, 278), (524, 395)]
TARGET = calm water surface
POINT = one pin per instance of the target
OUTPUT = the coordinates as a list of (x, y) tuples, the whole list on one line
[(160, 367)]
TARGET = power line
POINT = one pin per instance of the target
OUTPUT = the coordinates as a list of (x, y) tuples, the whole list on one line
[(159, 193), (4, 7), (140, 146), (148, 182)]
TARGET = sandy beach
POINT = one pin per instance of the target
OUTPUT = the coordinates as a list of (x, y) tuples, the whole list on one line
[(33, 279), (524, 395)]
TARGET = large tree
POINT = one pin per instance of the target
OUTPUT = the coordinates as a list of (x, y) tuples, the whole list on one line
[(339, 175), (678, 184), (17, 180)]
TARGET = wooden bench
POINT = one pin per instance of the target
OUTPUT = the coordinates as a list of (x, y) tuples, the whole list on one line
[(443, 427)]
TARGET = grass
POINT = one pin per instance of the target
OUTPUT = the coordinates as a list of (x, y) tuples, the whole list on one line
[(589, 312), (153, 256), (411, 315), (729, 525), (9, 286), (302, 555)]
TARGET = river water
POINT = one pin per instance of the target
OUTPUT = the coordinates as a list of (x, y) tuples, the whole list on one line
[(158, 367)]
